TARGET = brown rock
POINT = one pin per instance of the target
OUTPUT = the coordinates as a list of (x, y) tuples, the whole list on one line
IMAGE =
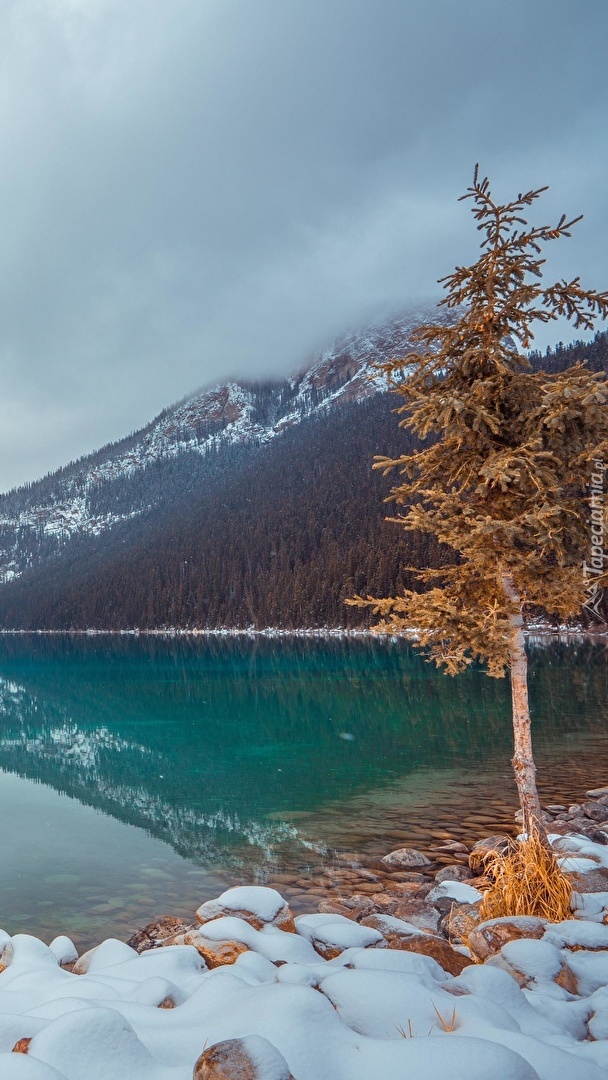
[(82, 964), (488, 938), (597, 792), (399, 889), (397, 936), (428, 945), (333, 907), (404, 858), (453, 873), (595, 811), (565, 977), (388, 924), (357, 904), (423, 890), (21, 1046), (404, 876), (480, 882), (484, 849), (214, 953), (591, 882), (228, 904), (419, 913), (167, 1003), (460, 920), (153, 935), (567, 980), (384, 899), (252, 1058), (453, 845), (501, 962)]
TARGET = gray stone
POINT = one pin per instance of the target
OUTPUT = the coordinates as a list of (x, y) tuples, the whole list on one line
[(453, 873), (484, 849), (405, 858)]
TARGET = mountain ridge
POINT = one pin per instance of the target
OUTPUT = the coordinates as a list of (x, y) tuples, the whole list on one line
[(237, 412), (252, 505)]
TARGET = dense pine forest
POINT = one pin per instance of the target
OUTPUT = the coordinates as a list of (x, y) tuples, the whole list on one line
[(273, 535)]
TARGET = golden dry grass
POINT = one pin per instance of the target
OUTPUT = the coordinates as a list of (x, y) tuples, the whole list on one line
[(527, 880)]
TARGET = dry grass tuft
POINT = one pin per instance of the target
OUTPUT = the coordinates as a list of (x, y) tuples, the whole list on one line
[(409, 1034), (447, 1025), (527, 880)]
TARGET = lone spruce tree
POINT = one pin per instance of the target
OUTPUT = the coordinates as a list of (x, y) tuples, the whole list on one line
[(504, 474)]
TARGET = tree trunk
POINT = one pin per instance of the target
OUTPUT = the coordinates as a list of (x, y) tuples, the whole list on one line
[(523, 760)]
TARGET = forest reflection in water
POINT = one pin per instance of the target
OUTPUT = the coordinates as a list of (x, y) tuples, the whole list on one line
[(246, 755)]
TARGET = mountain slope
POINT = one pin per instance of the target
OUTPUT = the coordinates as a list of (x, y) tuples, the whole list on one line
[(246, 505), (126, 479)]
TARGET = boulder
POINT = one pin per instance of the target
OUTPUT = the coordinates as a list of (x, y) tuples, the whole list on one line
[(595, 811), (331, 935), (404, 937), (488, 937), (459, 921), (453, 845), (155, 933), (532, 962), (405, 858), (418, 913), (455, 872), (254, 904), (251, 1058), (334, 907), (597, 793), (591, 882), (484, 849), (214, 953), (438, 948)]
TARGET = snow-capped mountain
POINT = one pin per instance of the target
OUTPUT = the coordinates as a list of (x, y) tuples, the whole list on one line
[(94, 494)]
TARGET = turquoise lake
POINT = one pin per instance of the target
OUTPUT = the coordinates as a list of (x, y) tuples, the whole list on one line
[(141, 776)]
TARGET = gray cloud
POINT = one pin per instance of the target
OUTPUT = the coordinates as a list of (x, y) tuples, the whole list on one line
[(211, 187)]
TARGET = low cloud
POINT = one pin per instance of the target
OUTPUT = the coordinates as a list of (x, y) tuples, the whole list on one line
[(195, 190)]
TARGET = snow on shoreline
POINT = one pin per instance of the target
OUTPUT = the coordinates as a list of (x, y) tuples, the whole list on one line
[(534, 632), (321, 997)]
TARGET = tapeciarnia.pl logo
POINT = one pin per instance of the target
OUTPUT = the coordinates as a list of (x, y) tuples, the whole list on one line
[(593, 569)]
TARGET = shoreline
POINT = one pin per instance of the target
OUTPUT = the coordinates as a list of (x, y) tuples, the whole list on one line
[(532, 631), (373, 986)]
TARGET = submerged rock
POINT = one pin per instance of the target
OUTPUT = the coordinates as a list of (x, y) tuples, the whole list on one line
[(404, 858)]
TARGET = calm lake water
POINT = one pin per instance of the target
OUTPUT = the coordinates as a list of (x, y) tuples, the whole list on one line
[(141, 776)]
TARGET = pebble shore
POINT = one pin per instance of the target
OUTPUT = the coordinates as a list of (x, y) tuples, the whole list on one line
[(392, 974)]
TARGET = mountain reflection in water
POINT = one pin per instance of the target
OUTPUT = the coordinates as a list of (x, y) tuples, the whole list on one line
[(228, 748)]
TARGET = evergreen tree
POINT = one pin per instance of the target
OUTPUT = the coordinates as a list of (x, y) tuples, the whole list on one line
[(509, 451)]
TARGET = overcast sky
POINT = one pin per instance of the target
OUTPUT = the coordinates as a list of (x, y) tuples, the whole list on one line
[(191, 189)]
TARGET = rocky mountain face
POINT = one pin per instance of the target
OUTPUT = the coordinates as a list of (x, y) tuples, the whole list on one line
[(245, 505), (124, 479)]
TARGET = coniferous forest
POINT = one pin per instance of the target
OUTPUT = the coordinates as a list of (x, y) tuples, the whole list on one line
[(275, 535)]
